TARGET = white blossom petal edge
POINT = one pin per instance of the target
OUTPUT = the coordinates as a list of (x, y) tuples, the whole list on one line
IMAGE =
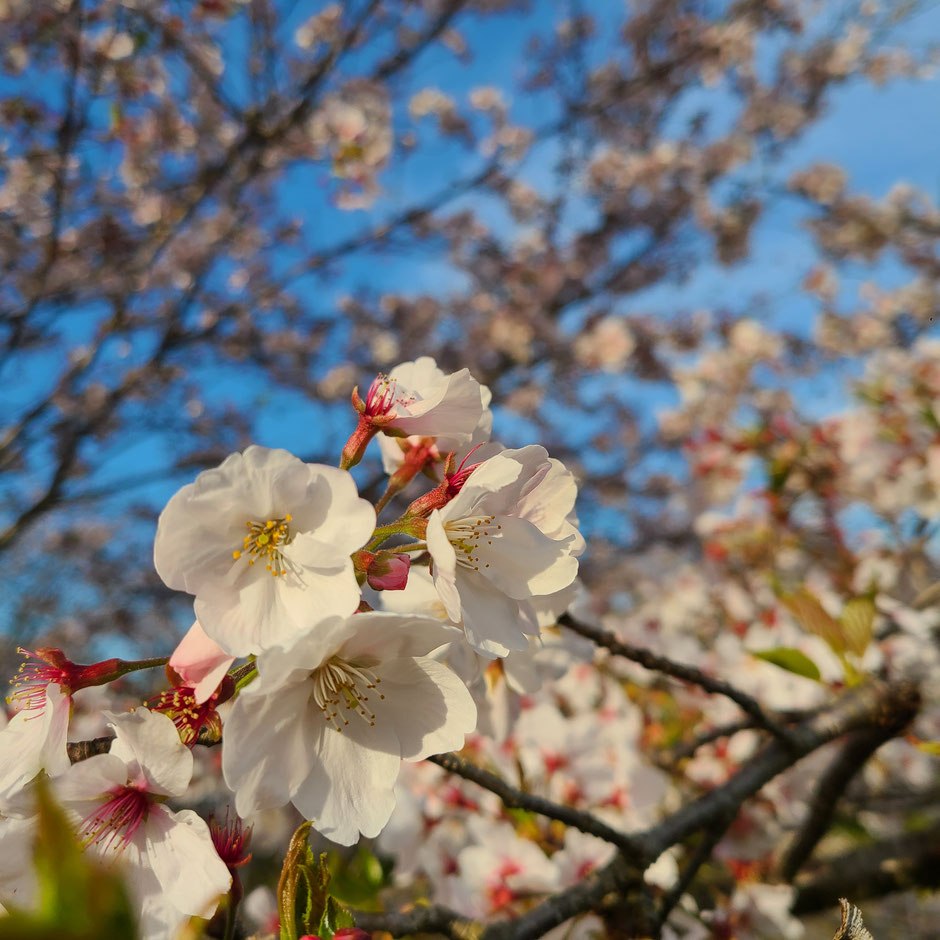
[(263, 542), (508, 537), (330, 718)]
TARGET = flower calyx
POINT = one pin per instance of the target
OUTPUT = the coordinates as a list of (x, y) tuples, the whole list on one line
[(446, 490), (49, 664), (376, 413)]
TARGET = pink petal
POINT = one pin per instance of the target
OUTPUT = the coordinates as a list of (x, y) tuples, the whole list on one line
[(201, 662)]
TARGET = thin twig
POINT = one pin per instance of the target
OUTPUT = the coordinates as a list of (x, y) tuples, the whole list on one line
[(514, 798), (656, 663), (700, 854)]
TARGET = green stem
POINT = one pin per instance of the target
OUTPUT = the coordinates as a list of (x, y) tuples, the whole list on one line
[(138, 664), (243, 675), (230, 921), (398, 527), (390, 491)]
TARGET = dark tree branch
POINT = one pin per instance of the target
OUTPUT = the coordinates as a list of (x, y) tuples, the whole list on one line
[(847, 763), (877, 704), (433, 919), (911, 860), (655, 663), (699, 855), (514, 798)]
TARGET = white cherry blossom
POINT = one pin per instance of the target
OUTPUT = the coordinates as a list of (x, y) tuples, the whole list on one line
[(35, 739), (331, 716), (116, 801), (424, 374), (418, 398), (263, 542), (507, 538)]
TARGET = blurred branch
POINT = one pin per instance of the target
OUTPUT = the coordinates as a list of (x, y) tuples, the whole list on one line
[(514, 798), (876, 704), (911, 860), (655, 663), (848, 762)]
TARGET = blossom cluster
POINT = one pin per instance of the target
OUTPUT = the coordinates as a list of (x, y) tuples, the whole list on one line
[(289, 570)]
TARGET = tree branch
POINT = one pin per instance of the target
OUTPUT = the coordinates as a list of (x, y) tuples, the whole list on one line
[(655, 663), (514, 798), (847, 763), (911, 860)]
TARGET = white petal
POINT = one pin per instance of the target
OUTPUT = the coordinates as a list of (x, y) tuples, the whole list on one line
[(150, 745), (91, 779), (185, 861), (490, 488), (17, 875), (428, 705), (491, 620), (522, 561), (387, 635), (55, 757), (351, 791), (454, 410), (34, 740), (266, 747), (445, 565)]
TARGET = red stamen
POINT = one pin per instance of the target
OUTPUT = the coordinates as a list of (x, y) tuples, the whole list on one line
[(117, 819)]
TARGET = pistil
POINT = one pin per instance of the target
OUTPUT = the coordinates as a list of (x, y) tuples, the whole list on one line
[(339, 683)]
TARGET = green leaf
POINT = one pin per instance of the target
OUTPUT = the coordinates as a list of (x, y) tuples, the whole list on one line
[(335, 916), (815, 619), (294, 889), (857, 620), (786, 657)]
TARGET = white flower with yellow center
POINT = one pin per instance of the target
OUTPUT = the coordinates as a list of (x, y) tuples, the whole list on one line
[(263, 542), (329, 719), (505, 541)]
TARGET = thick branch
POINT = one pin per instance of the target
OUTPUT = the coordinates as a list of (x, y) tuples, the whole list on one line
[(514, 798), (655, 663), (432, 919), (907, 861), (848, 762), (877, 704)]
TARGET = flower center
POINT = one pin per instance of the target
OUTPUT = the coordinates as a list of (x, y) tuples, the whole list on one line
[(339, 685), (468, 535), (265, 541), (383, 396), (180, 706), (29, 684), (116, 820)]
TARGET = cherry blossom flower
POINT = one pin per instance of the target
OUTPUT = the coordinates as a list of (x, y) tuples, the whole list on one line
[(35, 738), (506, 538), (263, 542), (502, 869), (117, 801), (331, 716), (417, 399), (424, 373)]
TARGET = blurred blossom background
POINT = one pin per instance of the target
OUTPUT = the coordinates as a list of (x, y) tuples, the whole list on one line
[(690, 246)]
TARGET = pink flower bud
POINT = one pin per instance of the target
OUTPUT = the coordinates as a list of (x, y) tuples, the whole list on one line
[(389, 571)]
